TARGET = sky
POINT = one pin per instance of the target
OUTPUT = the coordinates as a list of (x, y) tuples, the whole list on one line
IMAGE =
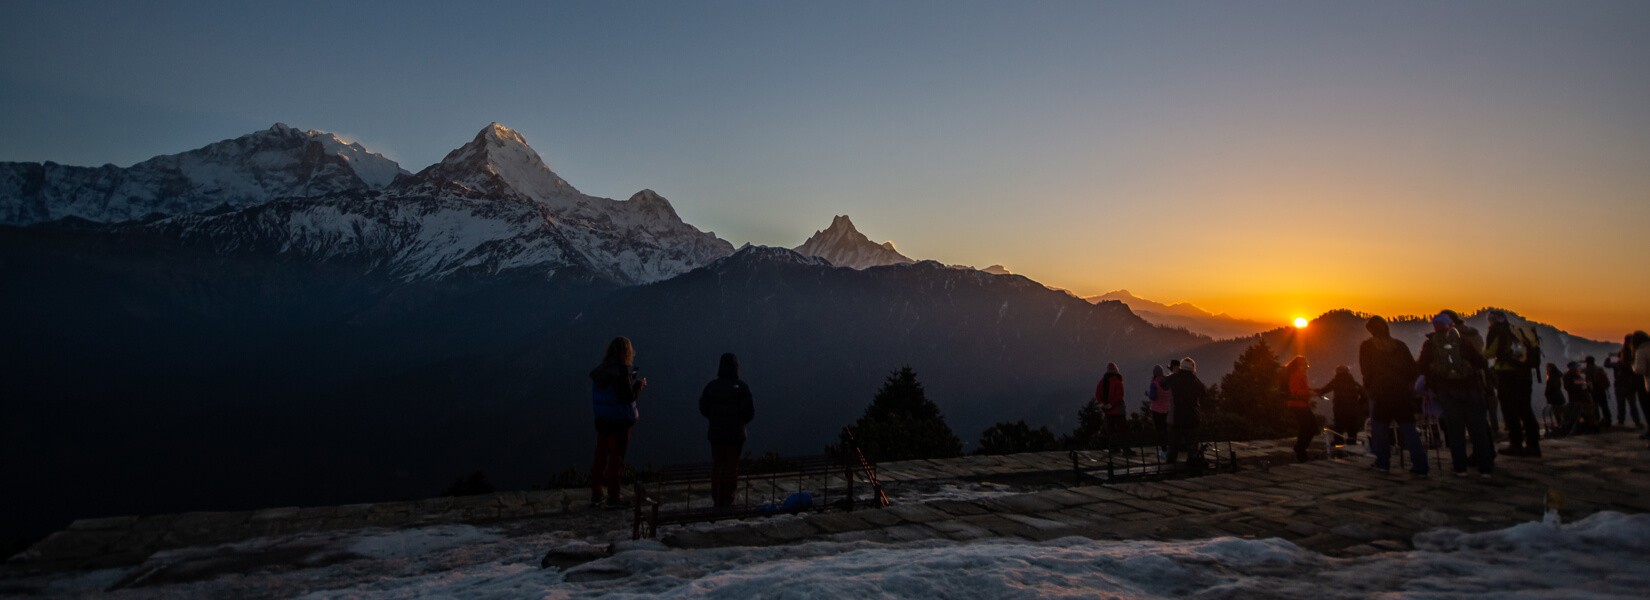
[(1266, 159)]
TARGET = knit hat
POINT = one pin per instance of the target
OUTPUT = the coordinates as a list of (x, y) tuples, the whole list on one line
[(1187, 364)]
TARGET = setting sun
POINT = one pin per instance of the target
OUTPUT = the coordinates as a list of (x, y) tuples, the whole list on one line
[(1300, 322)]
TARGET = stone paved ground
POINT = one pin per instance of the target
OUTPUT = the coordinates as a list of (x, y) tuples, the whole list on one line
[(1338, 507)]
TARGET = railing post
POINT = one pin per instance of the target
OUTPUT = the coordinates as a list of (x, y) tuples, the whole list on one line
[(1076, 472)]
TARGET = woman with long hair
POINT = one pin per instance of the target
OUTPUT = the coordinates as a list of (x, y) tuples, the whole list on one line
[(614, 387)]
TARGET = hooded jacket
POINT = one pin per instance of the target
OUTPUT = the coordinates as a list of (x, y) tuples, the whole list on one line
[(1389, 372), (727, 403)]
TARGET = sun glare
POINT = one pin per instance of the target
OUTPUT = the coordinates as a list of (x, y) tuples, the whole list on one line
[(1300, 322)]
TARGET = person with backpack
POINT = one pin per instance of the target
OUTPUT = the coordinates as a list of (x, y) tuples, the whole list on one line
[(726, 403), (1487, 387), (1452, 367), (1598, 385), (1188, 392), (614, 387), (1512, 386), (1351, 405), (1298, 393), (1160, 402), (1389, 372), (1109, 395)]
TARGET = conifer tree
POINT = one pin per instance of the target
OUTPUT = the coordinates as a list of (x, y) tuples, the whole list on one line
[(1014, 438), (1250, 397), (903, 424)]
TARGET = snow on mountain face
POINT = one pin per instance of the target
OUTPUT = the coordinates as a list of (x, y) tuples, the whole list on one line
[(639, 240), (279, 162), (845, 246)]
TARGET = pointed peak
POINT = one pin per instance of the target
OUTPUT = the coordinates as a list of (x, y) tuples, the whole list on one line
[(280, 128), (841, 222), (499, 132), (889, 245)]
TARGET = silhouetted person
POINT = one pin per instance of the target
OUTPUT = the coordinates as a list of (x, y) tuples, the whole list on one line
[(1298, 392), (1640, 342), (1188, 392), (1389, 375), (726, 402), (1563, 413), (1598, 386), (614, 387), (1486, 387), (1161, 402), (1108, 393), (1453, 371), (1581, 400), (1351, 405), (1512, 386), (1627, 382)]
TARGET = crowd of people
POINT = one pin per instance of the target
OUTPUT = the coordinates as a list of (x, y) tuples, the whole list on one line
[(1462, 385)]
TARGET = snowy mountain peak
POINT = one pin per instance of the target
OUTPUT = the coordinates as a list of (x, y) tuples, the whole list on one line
[(845, 246), (751, 254), (250, 170), (497, 162)]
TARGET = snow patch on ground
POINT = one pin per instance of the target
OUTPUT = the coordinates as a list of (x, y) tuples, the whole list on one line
[(418, 542)]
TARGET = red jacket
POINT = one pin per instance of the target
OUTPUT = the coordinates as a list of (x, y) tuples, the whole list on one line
[(1300, 391), (1110, 391)]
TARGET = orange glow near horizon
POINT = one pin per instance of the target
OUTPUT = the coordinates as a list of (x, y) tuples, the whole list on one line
[(1300, 322)]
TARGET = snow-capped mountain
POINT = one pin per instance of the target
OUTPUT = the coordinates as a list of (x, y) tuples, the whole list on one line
[(845, 246), (491, 206), (279, 162)]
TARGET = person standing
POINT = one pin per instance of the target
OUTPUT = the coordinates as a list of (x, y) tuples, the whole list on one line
[(1511, 375), (1627, 382), (1351, 405), (1581, 400), (1109, 395), (1563, 414), (1298, 392), (614, 388), (1161, 401), (1188, 392), (1389, 373), (1598, 386), (726, 403), (1640, 341), (1453, 373)]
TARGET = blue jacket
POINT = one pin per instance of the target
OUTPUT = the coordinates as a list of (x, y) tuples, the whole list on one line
[(613, 390)]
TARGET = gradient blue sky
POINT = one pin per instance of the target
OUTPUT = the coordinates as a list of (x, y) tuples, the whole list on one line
[(1263, 158)]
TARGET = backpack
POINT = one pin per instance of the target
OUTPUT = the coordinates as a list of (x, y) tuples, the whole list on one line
[(1449, 360), (1511, 351)]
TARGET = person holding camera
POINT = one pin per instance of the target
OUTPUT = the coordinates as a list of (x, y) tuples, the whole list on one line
[(614, 386)]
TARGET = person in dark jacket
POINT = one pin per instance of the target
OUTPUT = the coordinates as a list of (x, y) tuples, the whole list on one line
[(1300, 396), (726, 402), (1628, 383), (1187, 392), (1161, 400), (1598, 385), (1511, 376), (1351, 405), (1563, 415), (614, 388), (1389, 376), (1454, 373), (1581, 400)]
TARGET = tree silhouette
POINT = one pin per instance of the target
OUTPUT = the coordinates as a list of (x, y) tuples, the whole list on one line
[(902, 424), (1250, 402)]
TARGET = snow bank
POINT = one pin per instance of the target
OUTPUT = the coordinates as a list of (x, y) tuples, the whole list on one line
[(1600, 557)]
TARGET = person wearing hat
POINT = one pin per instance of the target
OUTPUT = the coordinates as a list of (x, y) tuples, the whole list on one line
[(1350, 404), (1453, 370), (1187, 391)]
